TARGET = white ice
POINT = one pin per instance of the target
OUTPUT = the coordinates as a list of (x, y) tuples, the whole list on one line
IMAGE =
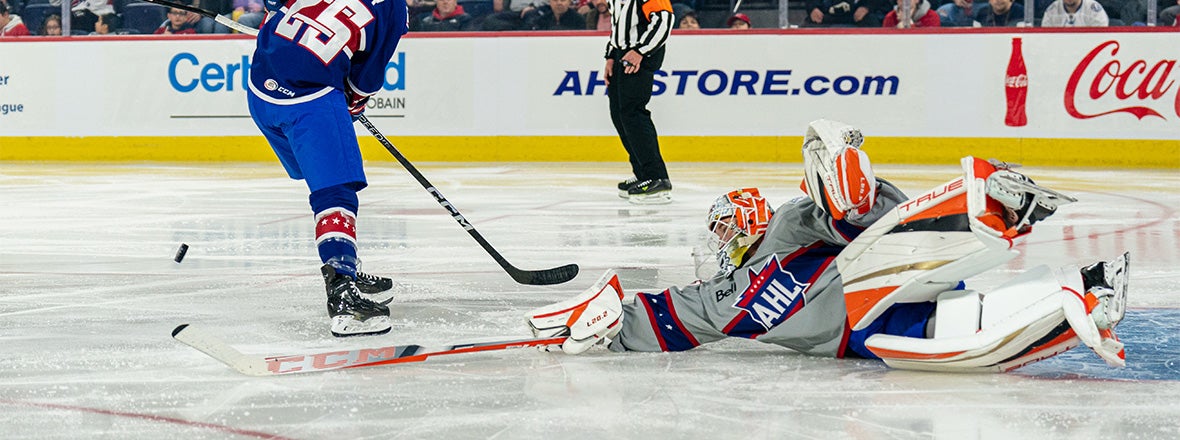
[(89, 295)]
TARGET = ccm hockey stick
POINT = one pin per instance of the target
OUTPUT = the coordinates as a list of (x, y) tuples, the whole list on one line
[(335, 360), (228, 22), (556, 275)]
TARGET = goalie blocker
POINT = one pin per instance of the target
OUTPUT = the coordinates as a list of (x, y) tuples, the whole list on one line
[(921, 250)]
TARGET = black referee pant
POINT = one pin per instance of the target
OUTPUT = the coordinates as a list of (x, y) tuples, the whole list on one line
[(629, 95)]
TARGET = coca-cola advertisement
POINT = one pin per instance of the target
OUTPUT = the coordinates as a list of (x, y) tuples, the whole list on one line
[(1016, 87), (1110, 80)]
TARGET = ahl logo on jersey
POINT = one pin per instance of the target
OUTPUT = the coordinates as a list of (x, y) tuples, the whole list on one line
[(773, 296)]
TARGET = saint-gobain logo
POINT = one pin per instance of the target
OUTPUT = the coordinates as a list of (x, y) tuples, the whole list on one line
[(271, 85)]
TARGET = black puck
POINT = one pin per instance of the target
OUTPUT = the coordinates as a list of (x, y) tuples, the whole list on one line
[(180, 252)]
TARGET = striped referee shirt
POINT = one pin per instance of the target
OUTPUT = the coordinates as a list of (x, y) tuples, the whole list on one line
[(643, 25)]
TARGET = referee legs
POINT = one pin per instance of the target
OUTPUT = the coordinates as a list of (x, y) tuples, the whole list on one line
[(629, 95)]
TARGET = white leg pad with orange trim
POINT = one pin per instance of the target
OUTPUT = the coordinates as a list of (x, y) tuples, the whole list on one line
[(1034, 316), (593, 317)]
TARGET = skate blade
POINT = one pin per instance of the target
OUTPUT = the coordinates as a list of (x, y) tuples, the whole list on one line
[(383, 298), (660, 198), (348, 325), (1116, 276)]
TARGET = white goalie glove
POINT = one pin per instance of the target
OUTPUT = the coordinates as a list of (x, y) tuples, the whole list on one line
[(591, 318)]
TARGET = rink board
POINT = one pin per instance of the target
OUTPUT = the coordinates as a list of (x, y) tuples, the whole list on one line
[(1094, 98)]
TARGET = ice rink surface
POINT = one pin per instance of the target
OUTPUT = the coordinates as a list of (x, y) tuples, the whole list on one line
[(89, 294)]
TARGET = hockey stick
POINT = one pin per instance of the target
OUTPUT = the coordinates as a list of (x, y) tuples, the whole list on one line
[(228, 22), (338, 359), (556, 275)]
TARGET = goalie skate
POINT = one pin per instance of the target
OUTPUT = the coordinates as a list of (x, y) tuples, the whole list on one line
[(1107, 282), (589, 319), (1029, 203), (1094, 314), (351, 313)]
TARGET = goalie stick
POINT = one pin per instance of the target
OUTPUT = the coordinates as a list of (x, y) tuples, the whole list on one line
[(555, 275), (338, 359)]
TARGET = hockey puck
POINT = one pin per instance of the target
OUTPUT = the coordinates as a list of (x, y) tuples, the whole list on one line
[(180, 252)]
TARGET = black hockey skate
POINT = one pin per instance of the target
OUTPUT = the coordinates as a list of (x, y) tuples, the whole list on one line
[(374, 288), (351, 313), (650, 192), (626, 185)]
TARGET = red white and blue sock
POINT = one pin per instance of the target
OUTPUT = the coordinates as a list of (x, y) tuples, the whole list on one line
[(335, 227)]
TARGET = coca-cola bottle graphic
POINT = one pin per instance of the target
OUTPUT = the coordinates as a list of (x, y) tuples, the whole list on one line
[(1016, 87)]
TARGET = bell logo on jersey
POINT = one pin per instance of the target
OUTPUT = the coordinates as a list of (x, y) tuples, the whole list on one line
[(773, 296)]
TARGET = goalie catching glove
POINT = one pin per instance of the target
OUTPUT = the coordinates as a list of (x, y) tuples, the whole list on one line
[(837, 174), (593, 317)]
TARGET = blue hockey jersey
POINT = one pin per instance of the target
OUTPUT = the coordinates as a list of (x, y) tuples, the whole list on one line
[(309, 47)]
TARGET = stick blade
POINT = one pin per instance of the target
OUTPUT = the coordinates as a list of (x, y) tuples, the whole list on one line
[(556, 275), (215, 348)]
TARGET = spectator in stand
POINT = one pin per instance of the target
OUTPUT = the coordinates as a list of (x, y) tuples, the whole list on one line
[(418, 7), (558, 15), (249, 13), (179, 22), (221, 7), (598, 15), (447, 16), (689, 20), (1075, 13), (739, 21), (51, 26), (107, 24), (11, 24), (1000, 13), (86, 12), (1168, 15), (958, 13), (678, 10), (920, 13), (846, 13), (509, 15)]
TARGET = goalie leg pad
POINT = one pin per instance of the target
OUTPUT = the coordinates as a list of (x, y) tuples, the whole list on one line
[(1032, 334), (1034, 316), (1021, 322), (593, 317)]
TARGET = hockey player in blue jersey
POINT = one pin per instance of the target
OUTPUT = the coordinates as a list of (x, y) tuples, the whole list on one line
[(858, 270), (316, 64)]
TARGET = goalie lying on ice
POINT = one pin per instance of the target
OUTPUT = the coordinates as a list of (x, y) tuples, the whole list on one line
[(855, 269)]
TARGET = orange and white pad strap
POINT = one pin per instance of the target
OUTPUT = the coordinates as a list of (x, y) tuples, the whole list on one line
[(1104, 342)]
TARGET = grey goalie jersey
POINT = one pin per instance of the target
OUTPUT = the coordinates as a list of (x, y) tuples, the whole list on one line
[(788, 292)]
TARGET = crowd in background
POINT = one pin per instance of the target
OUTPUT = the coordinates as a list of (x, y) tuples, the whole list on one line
[(103, 17)]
